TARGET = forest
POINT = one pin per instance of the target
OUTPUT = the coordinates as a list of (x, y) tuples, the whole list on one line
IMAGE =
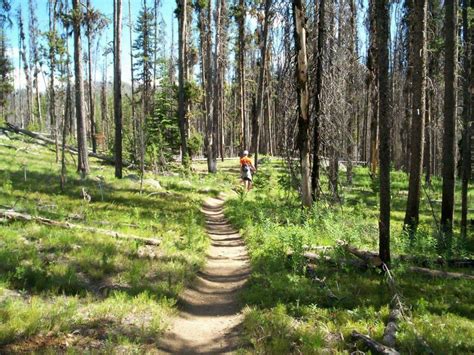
[(133, 221)]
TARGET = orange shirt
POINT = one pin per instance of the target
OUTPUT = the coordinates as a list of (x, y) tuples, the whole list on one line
[(245, 161)]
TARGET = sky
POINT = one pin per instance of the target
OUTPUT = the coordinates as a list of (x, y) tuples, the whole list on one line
[(104, 6)]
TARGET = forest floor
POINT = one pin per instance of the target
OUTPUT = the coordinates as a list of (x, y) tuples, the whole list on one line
[(73, 290)]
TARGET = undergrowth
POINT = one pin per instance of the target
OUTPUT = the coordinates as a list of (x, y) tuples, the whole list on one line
[(289, 312)]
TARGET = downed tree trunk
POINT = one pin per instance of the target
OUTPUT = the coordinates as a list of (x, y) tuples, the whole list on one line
[(396, 310), (439, 273), (390, 332), (373, 345), (12, 128), (16, 216), (369, 257), (425, 262)]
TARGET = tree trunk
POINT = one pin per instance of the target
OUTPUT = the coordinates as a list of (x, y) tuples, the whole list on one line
[(26, 69), (374, 91), (182, 15), (132, 84), (448, 170), (261, 77), (82, 157), (91, 96), (243, 140), (318, 55), (303, 100), (382, 35), (428, 138), (466, 149), (210, 125), (52, 68), (418, 17), (118, 87)]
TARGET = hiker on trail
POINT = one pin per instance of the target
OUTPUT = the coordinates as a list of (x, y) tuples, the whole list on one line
[(246, 170)]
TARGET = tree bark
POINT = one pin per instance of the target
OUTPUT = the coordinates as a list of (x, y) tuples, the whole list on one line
[(373, 88), (318, 55), (448, 170), (182, 15), (82, 157), (418, 17), (52, 68), (118, 87), (91, 95), (303, 100), (261, 78), (383, 30), (132, 84), (374, 346), (243, 139), (210, 125), (466, 149)]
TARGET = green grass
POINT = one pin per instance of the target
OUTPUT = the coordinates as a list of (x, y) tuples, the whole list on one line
[(100, 294), (78, 282), (289, 313)]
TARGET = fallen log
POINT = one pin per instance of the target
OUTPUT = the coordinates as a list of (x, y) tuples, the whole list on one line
[(12, 128), (396, 310), (371, 258), (17, 216), (373, 345), (425, 262), (439, 273)]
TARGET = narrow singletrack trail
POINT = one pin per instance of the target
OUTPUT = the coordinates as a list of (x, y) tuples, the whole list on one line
[(210, 315)]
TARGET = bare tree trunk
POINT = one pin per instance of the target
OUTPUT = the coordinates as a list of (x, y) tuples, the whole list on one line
[(351, 145), (91, 95), (66, 120), (182, 15), (466, 149), (303, 100), (374, 90), (383, 30), (261, 77), (132, 99), (82, 156), (447, 204), (428, 138), (241, 75), (418, 17), (26, 69), (52, 62), (318, 55), (118, 87), (210, 126)]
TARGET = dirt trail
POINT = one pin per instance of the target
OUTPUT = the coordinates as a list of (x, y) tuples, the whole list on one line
[(210, 312)]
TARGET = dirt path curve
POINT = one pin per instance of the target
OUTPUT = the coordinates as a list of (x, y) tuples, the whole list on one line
[(210, 312)]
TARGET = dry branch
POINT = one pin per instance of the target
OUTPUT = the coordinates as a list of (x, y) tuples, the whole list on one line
[(16, 216), (373, 345), (439, 273)]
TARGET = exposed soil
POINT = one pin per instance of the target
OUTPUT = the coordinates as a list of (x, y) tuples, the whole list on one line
[(210, 312)]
